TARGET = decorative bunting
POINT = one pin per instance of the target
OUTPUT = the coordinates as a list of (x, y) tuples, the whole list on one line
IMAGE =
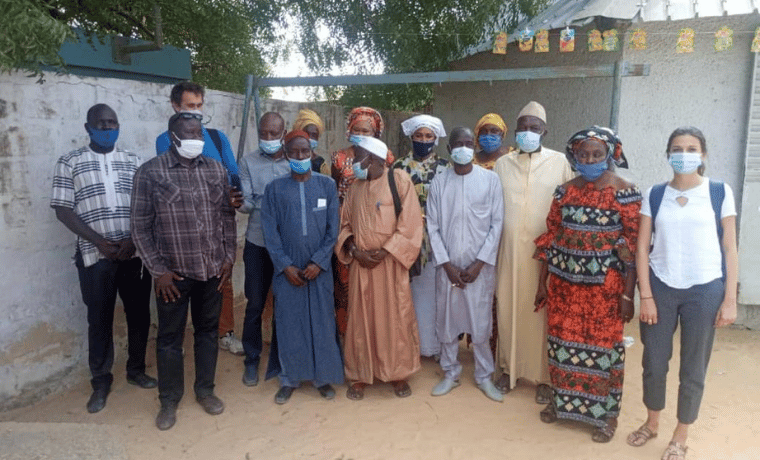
[(685, 42), (542, 41), (611, 41), (500, 43), (724, 39), (638, 40), (595, 42), (526, 40), (567, 40), (756, 42)]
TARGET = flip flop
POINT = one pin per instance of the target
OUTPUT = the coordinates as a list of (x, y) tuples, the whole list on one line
[(502, 384), (549, 414), (401, 388), (355, 392), (675, 451), (604, 433), (640, 437), (544, 394)]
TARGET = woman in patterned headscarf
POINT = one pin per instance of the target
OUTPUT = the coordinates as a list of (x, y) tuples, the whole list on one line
[(489, 143), (588, 248), (361, 121)]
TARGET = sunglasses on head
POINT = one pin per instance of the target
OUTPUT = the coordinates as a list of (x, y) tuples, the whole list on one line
[(189, 115)]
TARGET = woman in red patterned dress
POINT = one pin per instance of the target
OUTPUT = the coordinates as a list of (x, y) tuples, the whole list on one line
[(588, 249)]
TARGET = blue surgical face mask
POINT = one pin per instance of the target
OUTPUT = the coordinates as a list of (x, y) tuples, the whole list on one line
[(105, 138), (528, 141), (421, 149), (593, 171), (685, 162), (359, 172), (300, 166), (313, 144), (489, 142), (270, 147), (462, 155), (356, 139)]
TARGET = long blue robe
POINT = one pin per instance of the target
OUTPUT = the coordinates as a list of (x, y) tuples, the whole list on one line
[(300, 222)]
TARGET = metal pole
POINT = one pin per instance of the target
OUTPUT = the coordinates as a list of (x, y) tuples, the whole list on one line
[(617, 80), (246, 110), (257, 103)]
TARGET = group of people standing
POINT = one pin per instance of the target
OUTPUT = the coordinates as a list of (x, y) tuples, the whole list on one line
[(375, 261)]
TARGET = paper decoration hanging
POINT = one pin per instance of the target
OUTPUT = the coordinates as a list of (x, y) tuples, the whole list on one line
[(685, 42), (724, 39), (567, 40), (638, 40), (526, 40), (500, 43), (542, 41), (611, 41), (756, 42), (595, 41)]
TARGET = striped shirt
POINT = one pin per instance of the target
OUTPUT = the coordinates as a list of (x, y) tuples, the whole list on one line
[(97, 186), (182, 220)]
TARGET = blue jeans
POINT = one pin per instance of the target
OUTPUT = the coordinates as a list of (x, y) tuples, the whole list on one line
[(99, 284), (205, 304), (258, 279)]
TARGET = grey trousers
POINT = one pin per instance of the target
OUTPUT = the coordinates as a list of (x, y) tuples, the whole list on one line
[(483, 361), (695, 309)]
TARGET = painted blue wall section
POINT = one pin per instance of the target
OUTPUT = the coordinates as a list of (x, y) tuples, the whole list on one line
[(168, 65)]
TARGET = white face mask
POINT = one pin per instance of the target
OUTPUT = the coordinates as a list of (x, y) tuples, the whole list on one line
[(270, 147), (685, 162), (462, 155), (189, 148), (528, 141)]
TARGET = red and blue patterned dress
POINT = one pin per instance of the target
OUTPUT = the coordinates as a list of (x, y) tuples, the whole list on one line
[(589, 244)]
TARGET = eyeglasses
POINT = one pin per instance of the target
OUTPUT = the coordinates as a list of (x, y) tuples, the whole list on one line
[(190, 116)]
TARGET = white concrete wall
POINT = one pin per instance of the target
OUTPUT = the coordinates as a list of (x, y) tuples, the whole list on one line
[(42, 318)]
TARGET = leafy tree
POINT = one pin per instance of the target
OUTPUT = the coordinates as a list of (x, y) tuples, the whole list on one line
[(399, 35)]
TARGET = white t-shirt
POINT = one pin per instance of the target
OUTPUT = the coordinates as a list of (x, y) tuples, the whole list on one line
[(686, 251)]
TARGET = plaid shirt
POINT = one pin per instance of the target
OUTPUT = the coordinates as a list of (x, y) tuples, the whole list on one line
[(182, 220), (97, 186)]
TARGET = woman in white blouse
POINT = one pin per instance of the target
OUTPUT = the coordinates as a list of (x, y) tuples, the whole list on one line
[(688, 275)]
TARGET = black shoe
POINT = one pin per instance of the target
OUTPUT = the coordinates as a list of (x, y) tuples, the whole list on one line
[(98, 400), (166, 417), (142, 380), (211, 404), (327, 391), (251, 376), (283, 394)]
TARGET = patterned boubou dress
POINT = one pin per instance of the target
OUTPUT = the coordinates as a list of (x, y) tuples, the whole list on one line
[(589, 244)]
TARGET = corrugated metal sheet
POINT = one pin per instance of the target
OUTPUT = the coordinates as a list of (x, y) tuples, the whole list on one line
[(749, 256), (578, 13)]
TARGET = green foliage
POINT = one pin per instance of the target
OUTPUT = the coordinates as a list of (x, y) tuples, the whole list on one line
[(399, 36), (30, 37)]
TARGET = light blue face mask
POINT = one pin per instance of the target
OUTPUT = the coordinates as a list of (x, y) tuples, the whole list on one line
[(356, 139), (313, 144), (270, 147), (593, 171), (300, 166), (528, 141), (685, 162), (359, 172)]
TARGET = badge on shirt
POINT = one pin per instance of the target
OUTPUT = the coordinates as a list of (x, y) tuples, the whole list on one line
[(321, 202)]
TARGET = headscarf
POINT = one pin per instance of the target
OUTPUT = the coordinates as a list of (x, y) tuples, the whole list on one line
[(308, 117), (411, 125), (374, 146), (293, 134), (365, 114), (490, 119), (606, 135)]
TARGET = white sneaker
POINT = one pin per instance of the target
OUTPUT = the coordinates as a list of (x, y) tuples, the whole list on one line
[(231, 343)]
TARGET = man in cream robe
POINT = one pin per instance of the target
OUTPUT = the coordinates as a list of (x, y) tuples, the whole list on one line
[(382, 340), (529, 174)]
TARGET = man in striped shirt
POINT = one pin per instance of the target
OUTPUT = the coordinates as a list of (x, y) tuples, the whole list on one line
[(91, 196), (183, 225)]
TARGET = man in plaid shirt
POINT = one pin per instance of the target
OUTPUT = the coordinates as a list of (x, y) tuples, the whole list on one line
[(184, 228), (91, 196)]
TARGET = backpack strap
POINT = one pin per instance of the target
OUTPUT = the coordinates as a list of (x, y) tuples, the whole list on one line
[(394, 193), (217, 140), (717, 194), (655, 200)]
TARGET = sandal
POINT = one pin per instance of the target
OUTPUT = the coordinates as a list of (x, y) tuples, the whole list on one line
[(640, 437), (544, 394), (549, 414), (355, 391), (401, 388), (502, 384), (604, 433), (675, 451)]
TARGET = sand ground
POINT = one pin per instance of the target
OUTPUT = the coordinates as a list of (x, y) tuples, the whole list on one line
[(461, 425)]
